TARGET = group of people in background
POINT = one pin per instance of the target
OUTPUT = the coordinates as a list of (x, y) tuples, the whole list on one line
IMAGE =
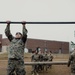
[(39, 56)]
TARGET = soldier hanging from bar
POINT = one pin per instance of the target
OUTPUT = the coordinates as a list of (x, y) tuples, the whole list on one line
[(16, 51)]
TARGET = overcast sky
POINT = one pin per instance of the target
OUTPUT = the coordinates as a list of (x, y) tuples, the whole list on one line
[(40, 10)]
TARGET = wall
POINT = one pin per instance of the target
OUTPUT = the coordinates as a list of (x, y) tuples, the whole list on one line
[(54, 46)]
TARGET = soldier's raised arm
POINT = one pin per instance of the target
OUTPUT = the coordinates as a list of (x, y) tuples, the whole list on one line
[(7, 31), (24, 32)]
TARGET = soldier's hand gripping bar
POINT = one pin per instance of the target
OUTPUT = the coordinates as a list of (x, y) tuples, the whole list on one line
[(11, 22)]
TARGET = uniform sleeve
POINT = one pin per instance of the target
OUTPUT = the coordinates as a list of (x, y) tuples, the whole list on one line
[(7, 33), (24, 37)]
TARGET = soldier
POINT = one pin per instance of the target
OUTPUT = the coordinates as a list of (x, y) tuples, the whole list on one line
[(50, 58), (41, 60), (45, 58), (16, 51), (72, 62), (35, 58)]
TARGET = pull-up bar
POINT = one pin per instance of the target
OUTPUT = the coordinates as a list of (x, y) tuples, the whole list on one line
[(1, 22)]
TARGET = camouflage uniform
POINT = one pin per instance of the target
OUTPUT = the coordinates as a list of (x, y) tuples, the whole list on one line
[(50, 58), (45, 58), (41, 60), (35, 58), (16, 53), (72, 62)]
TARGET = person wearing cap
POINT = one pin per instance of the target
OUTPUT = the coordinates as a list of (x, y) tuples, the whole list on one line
[(16, 50)]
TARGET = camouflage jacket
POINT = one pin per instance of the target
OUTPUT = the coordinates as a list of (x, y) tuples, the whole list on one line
[(45, 57), (35, 57), (72, 61), (50, 57), (40, 57), (16, 47)]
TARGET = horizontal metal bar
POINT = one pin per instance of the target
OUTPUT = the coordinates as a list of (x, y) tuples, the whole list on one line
[(39, 22), (44, 63)]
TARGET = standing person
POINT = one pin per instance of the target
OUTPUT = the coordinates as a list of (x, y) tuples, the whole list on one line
[(35, 58), (50, 58), (45, 59), (71, 62), (45, 56), (40, 60), (16, 51)]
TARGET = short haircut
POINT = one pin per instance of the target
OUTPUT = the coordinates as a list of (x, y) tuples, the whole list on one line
[(19, 33)]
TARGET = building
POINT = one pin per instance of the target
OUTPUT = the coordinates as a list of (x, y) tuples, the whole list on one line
[(54, 46), (49, 45)]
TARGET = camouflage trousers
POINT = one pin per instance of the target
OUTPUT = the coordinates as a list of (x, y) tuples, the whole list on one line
[(15, 67)]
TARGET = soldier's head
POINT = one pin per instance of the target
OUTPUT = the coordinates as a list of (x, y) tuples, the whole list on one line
[(38, 48), (18, 35)]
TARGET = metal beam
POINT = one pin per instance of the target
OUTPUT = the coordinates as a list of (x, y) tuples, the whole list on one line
[(44, 63), (1, 22)]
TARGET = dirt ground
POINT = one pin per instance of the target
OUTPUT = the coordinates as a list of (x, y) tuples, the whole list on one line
[(55, 70)]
